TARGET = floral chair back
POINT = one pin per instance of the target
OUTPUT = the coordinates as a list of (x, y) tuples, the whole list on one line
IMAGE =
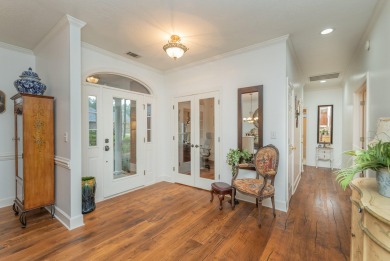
[(266, 162)]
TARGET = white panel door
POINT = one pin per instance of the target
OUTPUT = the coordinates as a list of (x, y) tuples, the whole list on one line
[(196, 139)]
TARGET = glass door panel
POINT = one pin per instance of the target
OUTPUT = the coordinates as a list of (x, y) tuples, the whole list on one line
[(123, 141), (124, 137), (206, 138), (184, 138), (196, 147)]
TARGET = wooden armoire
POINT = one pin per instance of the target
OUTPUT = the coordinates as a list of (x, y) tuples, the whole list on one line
[(34, 153)]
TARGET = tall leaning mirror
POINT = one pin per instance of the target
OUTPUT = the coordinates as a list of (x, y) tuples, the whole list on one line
[(250, 118), (325, 124)]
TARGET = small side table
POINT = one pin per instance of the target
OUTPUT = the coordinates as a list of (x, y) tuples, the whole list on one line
[(324, 154), (221, 189)]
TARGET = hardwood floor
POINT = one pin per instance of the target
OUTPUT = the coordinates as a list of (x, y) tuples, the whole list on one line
[(318, 224), (174, 222)]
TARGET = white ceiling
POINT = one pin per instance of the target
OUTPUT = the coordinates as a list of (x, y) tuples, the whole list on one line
[(209, 28)]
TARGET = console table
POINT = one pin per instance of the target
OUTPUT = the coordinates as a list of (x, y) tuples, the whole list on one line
[(370, 221), (324, 154)]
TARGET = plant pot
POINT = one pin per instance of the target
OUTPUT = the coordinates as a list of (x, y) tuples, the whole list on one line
[(88, 188), (383, 180)]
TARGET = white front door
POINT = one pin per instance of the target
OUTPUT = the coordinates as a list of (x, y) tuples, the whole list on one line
[(196, 139), (122, 141)]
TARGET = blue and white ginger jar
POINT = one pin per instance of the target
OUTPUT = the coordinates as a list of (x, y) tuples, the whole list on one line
[(29, 82)]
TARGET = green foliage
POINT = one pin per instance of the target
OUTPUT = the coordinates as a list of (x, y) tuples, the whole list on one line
[(235, 156), (87, 178), (375, 157)]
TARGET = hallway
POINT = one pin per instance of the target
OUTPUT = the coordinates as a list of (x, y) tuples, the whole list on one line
[(317, 226)]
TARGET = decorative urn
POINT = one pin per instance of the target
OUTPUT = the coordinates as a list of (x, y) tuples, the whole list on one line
[(29, 82)]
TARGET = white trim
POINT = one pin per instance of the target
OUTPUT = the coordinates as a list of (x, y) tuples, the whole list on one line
[(296, 183), (163, 178), (9, 156), (65, 20), (232, 53), (62, 162), (69, 223), (119, 57), (6, 202), (16, 48)]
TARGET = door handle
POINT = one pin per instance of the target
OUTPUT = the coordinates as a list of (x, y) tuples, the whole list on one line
[(196, 146), (291, 147), (106, 148)]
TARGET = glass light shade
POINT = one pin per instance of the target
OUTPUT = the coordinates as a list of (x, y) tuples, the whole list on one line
[(174, 48), (92, 79), (175, 52)]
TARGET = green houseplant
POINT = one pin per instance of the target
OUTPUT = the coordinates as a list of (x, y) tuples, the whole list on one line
[(236, 156), (377, 158)]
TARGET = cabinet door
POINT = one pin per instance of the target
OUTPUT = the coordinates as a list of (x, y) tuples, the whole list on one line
[(356, 233), (38, 152)]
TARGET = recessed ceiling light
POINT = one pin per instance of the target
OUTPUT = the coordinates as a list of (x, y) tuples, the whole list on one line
[(327, 31), (323, 81)]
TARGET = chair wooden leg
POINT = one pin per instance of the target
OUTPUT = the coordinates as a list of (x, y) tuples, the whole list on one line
[(233, 198), (273, 205), (259, 217), (212, 195)]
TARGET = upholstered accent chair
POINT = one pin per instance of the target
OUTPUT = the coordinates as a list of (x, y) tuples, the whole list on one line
[(266, 162)]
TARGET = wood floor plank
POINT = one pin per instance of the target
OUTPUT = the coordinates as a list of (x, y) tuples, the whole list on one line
[(167, 221)]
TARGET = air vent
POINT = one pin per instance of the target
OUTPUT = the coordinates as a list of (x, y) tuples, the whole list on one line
[(133, 54), (324, 77)]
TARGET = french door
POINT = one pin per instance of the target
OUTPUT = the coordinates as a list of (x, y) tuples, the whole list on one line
[(196, 139), (122, 149)]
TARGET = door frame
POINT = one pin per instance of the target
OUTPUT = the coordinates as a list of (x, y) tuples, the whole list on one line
[(97, 168)]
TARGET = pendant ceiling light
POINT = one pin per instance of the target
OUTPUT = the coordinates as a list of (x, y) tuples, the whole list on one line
[(250, 118), (174, 48)]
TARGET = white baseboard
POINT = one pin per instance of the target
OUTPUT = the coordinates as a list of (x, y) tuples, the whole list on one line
[(279, 205), (6, 202), (68, 222), (164, 178)]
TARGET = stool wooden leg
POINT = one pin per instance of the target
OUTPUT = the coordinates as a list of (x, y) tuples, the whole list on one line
[(221, 198), (212, 195)]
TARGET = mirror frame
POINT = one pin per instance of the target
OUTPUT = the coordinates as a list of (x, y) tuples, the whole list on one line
[(3, 104), (331, 124), (259, 89)]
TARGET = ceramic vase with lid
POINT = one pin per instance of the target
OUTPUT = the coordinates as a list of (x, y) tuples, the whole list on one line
[(29, 82)]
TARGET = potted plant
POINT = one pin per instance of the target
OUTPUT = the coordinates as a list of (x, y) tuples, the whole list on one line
[(377, 158), (236, 156)]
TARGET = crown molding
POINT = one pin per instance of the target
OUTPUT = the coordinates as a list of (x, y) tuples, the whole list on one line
[(232, 53), (16, 48), (64, 21)]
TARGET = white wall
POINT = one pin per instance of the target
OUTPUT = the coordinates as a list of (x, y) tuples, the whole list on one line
[(13, 61), (264, 65), (313, 98), (97, 60), (375, 66)]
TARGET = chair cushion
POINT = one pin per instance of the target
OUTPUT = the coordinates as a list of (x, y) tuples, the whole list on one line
[(252, 186)]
